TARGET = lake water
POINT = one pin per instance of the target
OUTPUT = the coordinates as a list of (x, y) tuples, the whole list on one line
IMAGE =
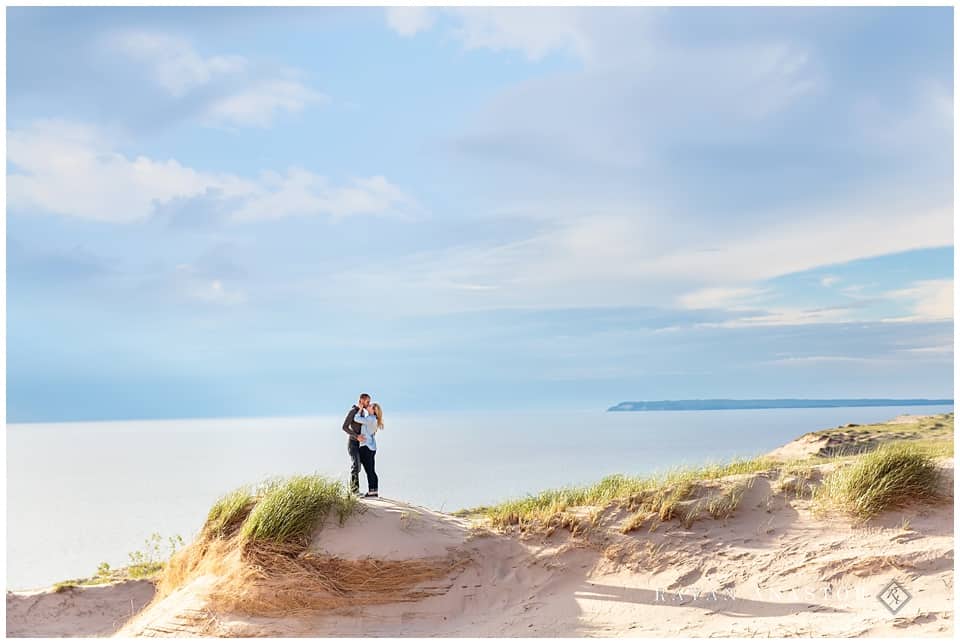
[(82, 493)]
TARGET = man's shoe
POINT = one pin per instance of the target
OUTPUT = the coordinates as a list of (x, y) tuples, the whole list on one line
[(371, 495)]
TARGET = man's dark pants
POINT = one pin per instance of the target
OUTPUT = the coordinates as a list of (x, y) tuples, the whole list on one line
[(353, 449)]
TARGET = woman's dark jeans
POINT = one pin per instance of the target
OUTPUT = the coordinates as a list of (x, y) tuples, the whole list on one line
[(367, 457)]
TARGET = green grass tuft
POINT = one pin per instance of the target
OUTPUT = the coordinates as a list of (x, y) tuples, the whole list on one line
[(724, 504), (228, 513), (660, 494), (673, 494), (291, 508), (891, 476)]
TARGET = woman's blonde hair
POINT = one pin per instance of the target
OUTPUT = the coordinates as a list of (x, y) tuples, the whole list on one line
[(378, 412)]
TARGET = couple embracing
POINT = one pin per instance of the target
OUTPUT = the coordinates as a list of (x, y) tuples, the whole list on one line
[(362, 423)]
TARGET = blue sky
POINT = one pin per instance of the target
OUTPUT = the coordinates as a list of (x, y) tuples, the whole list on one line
[(236, 212)]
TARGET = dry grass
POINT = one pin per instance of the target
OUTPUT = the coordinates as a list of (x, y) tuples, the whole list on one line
[(796, 480), (255, 544), (661, 495), (724, 504), (229, 512), (282, 578), (892, 476), (634, 522)]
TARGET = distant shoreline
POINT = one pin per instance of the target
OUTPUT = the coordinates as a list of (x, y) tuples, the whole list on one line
[(775, 403)]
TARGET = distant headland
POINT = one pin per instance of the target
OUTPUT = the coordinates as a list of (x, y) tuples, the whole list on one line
[(772, 403)]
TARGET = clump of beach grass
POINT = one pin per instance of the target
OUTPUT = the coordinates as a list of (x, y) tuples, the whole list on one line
[(289, 510), (634, 522), (796, 479), (891, 476), (660, 495), (229, 512), (723, 505), (255, 541)]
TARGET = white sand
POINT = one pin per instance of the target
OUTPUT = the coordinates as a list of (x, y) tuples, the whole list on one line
[(86, 611), (391, 530), (776, 570)]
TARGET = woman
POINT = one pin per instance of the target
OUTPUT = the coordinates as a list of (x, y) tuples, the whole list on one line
[(370, 425)]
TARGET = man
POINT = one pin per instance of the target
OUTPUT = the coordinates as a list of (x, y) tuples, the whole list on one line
[(352, 428)]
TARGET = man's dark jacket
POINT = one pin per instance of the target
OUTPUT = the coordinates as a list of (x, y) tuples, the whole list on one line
[(350, 426)]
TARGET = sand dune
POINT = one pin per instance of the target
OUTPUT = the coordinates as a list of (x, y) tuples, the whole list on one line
[(82, 611), (774, 568)]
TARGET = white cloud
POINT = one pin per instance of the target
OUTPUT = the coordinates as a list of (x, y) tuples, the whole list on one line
[(173, 62), (654, 260), (72, 169), (926, 123), (257, 104), (786, 316), (591, 35), (242, 98), (300, 192), (815, 360), (719, 297), (829, 280), (408, 21), (928, 299), (804, 242), (940, 349), (534, 31)]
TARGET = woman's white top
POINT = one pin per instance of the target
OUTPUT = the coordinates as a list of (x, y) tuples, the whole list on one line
[(368, 427)]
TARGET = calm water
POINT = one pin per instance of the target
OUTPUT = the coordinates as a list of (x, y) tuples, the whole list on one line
[(82, 493)]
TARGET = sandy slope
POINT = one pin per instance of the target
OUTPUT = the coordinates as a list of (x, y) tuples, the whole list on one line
[(773, 569), (75, 612)]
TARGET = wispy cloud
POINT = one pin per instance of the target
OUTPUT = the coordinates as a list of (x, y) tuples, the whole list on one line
[(719, 297), (408, 21), (300, 192), (257, 104), (239, 95), (532, 31), (172, 61), (928, 299), (73, 169), (823, 360)]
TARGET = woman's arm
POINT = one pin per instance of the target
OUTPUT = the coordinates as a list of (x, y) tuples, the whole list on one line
[(366, 420)]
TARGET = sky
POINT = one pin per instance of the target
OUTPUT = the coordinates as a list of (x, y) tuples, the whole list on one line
[(264, 211)]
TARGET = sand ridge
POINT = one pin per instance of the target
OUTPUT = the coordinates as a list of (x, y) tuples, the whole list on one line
[(773, 569), (81, 611)]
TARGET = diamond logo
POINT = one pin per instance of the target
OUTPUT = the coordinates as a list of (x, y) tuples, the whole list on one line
[(894, 597)]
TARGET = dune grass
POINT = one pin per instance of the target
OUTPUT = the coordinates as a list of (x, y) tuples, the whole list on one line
[(147, 563), (256, 542), (229, 512), (290, 509), (723, 505), (931, 433), (278, 509), (676, 494), (891, 476), (660, 494)]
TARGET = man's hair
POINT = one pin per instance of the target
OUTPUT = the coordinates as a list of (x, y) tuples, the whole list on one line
[(362, 396)]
